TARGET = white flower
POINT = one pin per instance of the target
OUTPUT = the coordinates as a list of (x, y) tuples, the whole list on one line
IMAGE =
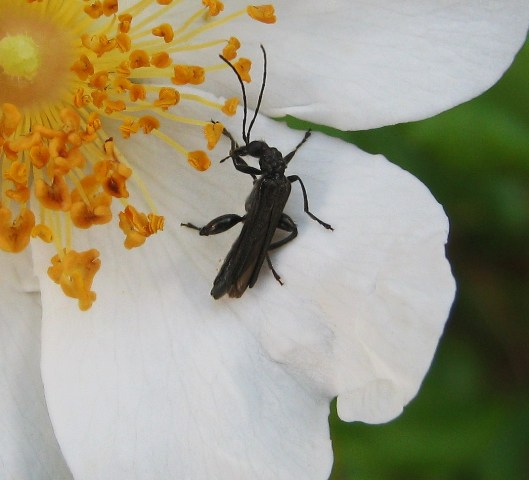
[(158, 380)]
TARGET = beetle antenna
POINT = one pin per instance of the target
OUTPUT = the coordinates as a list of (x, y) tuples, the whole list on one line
[(263, 83), (245, 103)]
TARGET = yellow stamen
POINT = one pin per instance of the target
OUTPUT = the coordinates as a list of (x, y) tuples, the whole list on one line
[(199, 160), (124, 22), (15, 234), (138, 59), (164, 30), (188, 74), (10, 119), (137, 226), (148, 123), (263, 13), (55, 196), (243, 66), (123, 42), (161, 60), (95, 211), (69, 68), (230, 50), (137, 92), (167, 97), (74, 272), (111, 174), (43, 232), (214, 7), (230, 106), (213, 132)]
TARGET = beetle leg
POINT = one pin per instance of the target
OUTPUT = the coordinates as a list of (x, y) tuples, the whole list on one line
[(238, 162), (276, 275), (217, 225), (234, 145), (243, 167), (295, 178), (289, 156), (288, 225)]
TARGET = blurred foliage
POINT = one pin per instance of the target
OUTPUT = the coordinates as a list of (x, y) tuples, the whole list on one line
[(470, 420)]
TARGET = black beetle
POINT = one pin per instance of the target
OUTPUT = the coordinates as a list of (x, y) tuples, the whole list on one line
[(264, 208)]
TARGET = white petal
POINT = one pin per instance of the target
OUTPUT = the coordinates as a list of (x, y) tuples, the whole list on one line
[(159, 380), (28, 449), (151, 384), (358, 65)]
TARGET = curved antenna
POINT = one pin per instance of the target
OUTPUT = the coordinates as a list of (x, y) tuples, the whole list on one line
[(259, 100), (244, 136)]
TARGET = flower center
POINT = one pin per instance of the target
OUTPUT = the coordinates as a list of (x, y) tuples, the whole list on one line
[(35, 50), (67, 69), (19, 56)]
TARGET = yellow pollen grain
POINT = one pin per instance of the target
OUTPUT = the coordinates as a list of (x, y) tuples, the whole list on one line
[(230, 50), (15, 233), (213, 132), (165, 31), (167, 97), (148, 123), (230, 106), (243, 67), (137, 92), (125, 20), (43, 232), (262, 13), (74, 272), (10, 119), (137, 226), (214, 7), (139, 59), (188, 74), (199, 160), (161, 60)]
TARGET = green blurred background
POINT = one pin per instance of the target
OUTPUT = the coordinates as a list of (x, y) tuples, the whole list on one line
[(470, 420)]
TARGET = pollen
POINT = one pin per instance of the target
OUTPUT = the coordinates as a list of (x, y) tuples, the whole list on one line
[(43, 232), (188, 74), (72, 71), (262, 13), (90, 204), (230, 50), (230, 106), (138, 226), (54, 196), (213, 132), (15, 233), (199, 160), (243, 66), (214, 7), (74, 272), (167, 97), (165, 31)]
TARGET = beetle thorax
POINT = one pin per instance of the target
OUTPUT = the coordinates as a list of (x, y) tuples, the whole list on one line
[(271, 161)]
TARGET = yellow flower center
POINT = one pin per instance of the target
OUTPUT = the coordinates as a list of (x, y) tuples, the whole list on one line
[(19, 56), (69, 68)]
